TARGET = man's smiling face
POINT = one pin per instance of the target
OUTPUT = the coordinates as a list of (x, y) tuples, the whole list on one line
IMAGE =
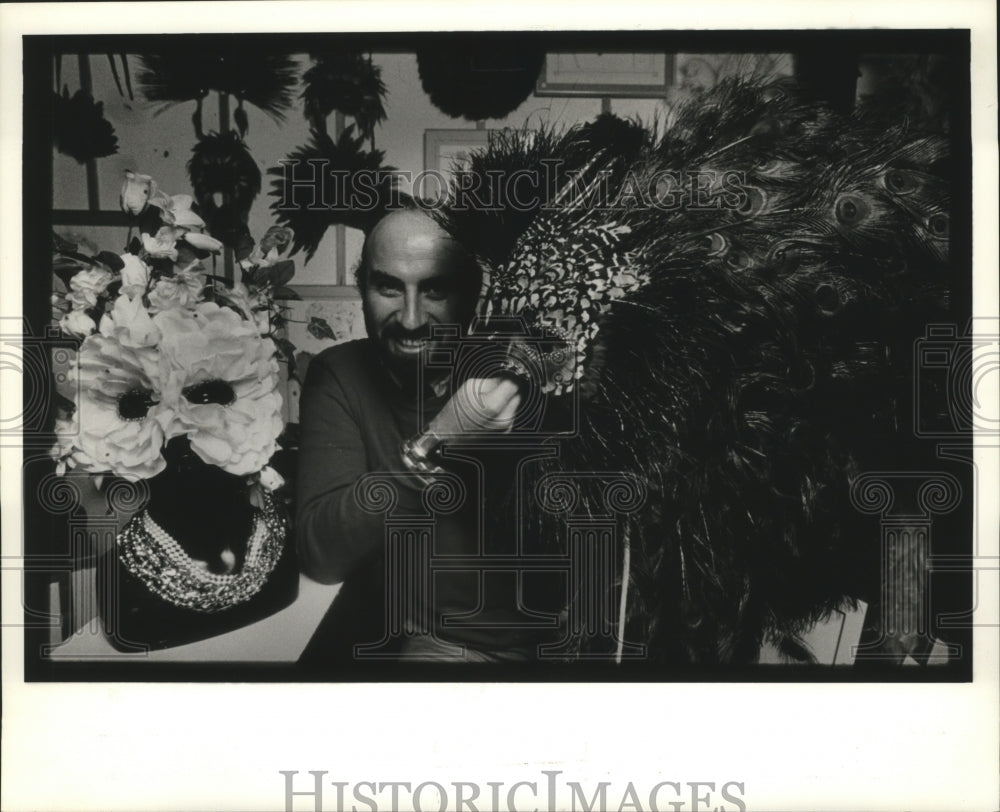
[(414, 277)]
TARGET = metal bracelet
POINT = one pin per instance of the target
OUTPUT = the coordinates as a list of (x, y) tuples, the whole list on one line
[(426, 445), (418, 463)]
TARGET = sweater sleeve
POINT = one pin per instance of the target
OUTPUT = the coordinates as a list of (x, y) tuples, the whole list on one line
[(334, 535)]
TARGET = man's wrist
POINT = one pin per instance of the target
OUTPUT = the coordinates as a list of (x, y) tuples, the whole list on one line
[(427, 445), (419, 455)]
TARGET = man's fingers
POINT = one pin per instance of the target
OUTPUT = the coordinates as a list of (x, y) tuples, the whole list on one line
[(506, 417), (489, 396), (496, 398), (499, 387), (482, 404)]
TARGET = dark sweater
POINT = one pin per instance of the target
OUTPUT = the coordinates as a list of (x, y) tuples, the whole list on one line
[(354, 419)]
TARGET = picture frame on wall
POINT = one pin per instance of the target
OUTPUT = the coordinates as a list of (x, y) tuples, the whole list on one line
[(630, 75)]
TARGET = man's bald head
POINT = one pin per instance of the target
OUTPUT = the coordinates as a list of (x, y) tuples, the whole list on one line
[(412, 277), (410, 233)]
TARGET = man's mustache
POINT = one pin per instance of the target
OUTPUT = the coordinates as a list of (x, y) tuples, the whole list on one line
[(397, 332)]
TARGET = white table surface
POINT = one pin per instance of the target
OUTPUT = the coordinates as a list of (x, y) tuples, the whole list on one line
[(281, 637)]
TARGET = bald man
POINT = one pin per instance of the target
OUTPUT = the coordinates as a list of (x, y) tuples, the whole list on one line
[(360, 413)]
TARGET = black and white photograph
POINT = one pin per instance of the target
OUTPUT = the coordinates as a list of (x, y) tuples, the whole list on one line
[(363, 368)]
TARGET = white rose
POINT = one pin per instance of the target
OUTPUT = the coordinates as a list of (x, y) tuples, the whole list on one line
[(135, 276), (130, 323), (262, 318), (77, 323), (90, 284), (181, 290), (276, 245), (203, 242), (77, 300), (177, 212), (162, 243), (270, 478)]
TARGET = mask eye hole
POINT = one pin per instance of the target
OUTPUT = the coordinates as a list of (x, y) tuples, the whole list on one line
[(135, 404), (207, 392)]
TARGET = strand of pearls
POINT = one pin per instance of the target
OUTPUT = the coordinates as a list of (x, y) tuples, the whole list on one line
[(153, 556)]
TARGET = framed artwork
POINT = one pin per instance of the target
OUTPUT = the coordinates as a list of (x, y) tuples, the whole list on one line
[(636, 75)]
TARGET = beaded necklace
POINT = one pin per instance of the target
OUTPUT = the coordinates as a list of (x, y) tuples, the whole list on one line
[(153, 556)]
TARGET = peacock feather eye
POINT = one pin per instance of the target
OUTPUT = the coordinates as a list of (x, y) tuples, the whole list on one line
[(785, 256), (899, 182), (938, 225), (851, 209), (716, 245), (135, 404), (738, 260), (831, 297), (208, 392), (754, 202)]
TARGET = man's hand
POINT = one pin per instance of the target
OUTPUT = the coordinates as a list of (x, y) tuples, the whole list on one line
[(480, 404)]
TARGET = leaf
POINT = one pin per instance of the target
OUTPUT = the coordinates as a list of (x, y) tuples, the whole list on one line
[(149, 221), (161, 266), (186, 253), (243, 248), (61, 244), (286, 293), (226, 283), (281, 272), (64, 406), (253, 276), (81, 258), (67, 265), (96, 312), (318, 328), (112, 261), (286, 349)]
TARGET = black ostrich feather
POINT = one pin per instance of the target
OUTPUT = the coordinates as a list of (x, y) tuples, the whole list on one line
[(347, 81), (346, 185), (743, 305), (81, 131), (532, 165)]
